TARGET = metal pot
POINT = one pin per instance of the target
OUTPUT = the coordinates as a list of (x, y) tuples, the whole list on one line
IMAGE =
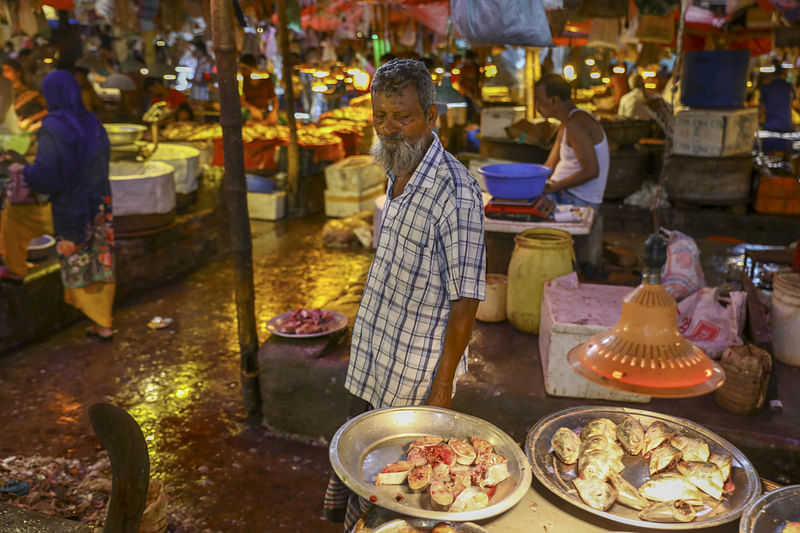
[(402, 525), (709, 180), (121, 134), (40, 247)]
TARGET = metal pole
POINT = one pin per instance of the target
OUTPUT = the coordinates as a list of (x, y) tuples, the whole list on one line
[(293, 151), (235, 189)]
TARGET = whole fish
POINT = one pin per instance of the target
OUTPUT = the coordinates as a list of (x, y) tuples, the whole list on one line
[(630, 434), (705, 476), (595, 492), (566, 445), (601, 442), (693, 449), (671, 486), (724, 462), (664, 457), (599, 426), (627, 494), (673, 511), (599, 464), (657, 433)]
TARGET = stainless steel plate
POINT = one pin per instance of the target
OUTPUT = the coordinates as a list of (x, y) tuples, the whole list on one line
[(366, 444), (771, 512), (556, 476)]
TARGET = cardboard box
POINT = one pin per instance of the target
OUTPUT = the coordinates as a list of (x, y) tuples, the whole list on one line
[(571, 313), (714, 133), (354, 175), (342, 204), (495, 120), (266, 206)]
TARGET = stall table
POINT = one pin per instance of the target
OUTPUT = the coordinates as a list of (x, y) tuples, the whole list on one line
[(540, 511), (500, 238)]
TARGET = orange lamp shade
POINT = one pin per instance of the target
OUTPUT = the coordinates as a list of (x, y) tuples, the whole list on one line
[(644, 352)]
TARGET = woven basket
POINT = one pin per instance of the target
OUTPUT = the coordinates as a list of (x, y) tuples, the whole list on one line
[(747, 370)]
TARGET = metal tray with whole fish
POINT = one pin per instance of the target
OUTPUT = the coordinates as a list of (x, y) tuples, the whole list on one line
[(641, 468)]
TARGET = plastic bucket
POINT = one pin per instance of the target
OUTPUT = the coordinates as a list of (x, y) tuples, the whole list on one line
[(539, 255), (515, 180), (785, 317), (715, 78), (493, 308)]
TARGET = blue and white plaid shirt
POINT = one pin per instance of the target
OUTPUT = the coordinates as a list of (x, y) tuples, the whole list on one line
[(431, 252)]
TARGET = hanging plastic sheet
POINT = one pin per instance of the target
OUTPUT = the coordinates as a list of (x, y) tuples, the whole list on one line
[(514, 22)]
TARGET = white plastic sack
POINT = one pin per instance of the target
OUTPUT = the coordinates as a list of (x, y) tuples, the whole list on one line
[(682, 274), (514, 22), (704, 320)]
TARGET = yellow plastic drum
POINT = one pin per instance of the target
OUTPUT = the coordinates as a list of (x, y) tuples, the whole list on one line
[(539, 255)]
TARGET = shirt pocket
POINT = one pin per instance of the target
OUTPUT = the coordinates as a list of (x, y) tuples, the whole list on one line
[(411, 269)]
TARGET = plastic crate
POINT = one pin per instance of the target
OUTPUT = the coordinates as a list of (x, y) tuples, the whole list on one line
[(778, 195)]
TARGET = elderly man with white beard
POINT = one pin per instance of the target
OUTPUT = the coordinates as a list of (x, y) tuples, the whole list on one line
[(416, 315)]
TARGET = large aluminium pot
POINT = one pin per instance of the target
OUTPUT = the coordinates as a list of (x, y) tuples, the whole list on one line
[(709, 180), (142, 195)]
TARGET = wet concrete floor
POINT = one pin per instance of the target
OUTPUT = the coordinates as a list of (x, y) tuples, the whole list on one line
[(182, 385)]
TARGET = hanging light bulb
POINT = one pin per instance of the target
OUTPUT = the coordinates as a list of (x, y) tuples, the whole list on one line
[(644, 353)]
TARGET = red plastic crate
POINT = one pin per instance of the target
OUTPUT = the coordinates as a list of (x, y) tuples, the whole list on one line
[(778, 195)]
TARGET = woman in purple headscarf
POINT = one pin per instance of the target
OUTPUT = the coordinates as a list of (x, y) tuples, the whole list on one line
[(72, 167)]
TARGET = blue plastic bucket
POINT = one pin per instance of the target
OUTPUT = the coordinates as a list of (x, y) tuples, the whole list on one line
[(515, 180), (715, 79)]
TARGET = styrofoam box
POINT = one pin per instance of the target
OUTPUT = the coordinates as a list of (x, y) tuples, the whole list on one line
[(714, 133), (266, 206), (354, 174), (495, 120), (571, 313), (342, 204)]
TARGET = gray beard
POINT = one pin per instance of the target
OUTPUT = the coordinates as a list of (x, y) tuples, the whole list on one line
[(397, 154)]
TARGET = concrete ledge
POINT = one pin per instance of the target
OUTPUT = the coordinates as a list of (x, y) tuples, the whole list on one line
[(302, 393), (36, 308)]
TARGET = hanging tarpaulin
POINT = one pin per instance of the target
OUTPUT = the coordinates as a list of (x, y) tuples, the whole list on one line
[(653, 29), (434, 16), (658, 8), (605, 33), (514, 22)]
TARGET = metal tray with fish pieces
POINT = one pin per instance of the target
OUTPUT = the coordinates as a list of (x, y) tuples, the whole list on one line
[(557, 476), (363, 446), (772, 511)]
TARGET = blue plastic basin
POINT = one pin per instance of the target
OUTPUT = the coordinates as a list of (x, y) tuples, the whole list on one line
[(515, 180)]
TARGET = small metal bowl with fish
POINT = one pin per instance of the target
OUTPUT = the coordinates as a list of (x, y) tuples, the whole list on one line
[(777, 511)]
